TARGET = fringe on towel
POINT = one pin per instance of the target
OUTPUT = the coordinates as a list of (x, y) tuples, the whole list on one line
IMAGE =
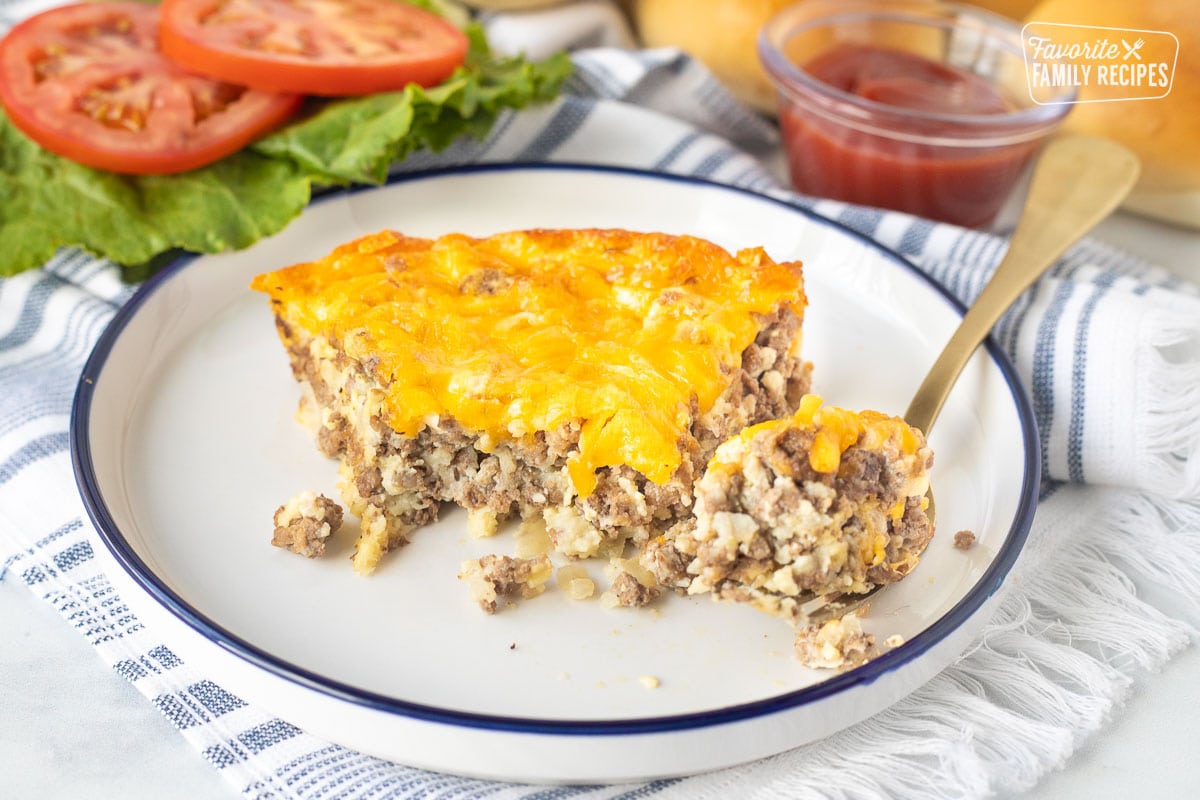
[(1170, 383)]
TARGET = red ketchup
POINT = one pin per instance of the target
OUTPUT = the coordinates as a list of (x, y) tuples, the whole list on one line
[(959, 171)]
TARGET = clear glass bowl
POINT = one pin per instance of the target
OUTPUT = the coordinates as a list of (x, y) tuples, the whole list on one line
[(900, 143)]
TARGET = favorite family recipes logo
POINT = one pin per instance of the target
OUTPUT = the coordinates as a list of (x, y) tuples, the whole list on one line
[(1102, 64)]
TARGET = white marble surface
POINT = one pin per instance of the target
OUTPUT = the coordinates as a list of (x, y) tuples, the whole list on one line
[(71, 728)]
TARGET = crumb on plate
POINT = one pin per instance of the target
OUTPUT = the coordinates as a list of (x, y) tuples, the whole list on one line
[(836, 644), (575, 582), (495, 576), (628, 591), (304, 522)]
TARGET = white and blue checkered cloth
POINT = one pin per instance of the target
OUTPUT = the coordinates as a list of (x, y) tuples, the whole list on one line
[(1109, 346)]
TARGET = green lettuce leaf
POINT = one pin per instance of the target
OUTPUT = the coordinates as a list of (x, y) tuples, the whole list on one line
[(47, 201), (355, 141)]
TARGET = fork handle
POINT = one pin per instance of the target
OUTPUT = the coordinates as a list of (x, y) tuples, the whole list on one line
[(1078, 181)]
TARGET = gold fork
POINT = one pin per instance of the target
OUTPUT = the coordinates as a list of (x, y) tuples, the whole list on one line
[(1078, 181)]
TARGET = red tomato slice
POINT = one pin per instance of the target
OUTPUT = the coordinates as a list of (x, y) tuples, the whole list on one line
[(87, 82), (323, 47)]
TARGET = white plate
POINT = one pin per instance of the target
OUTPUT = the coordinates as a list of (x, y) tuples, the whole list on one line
[(185, 443)]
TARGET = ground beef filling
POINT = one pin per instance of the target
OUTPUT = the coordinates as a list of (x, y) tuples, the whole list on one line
[(396, 483), (777, 533)]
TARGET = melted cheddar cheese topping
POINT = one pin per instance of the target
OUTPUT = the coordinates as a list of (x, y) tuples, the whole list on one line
[(834, 429), (613, 331)]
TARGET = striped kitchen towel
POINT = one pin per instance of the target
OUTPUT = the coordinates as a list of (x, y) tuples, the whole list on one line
[(1109, 346)]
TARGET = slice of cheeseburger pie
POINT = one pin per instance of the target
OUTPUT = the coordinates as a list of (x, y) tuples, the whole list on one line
[(581, 379)]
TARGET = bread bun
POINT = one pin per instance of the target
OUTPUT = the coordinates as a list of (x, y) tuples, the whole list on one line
[(721, 34), (1013, 9), (510, 5), (1163, 132)]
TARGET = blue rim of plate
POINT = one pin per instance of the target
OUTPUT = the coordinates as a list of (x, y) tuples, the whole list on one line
[(147, 580)]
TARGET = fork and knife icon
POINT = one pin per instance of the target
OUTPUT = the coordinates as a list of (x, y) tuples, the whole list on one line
[(1131, 50)]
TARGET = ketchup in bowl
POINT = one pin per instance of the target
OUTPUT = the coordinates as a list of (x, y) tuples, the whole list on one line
[(878, 125), (905, 80)]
